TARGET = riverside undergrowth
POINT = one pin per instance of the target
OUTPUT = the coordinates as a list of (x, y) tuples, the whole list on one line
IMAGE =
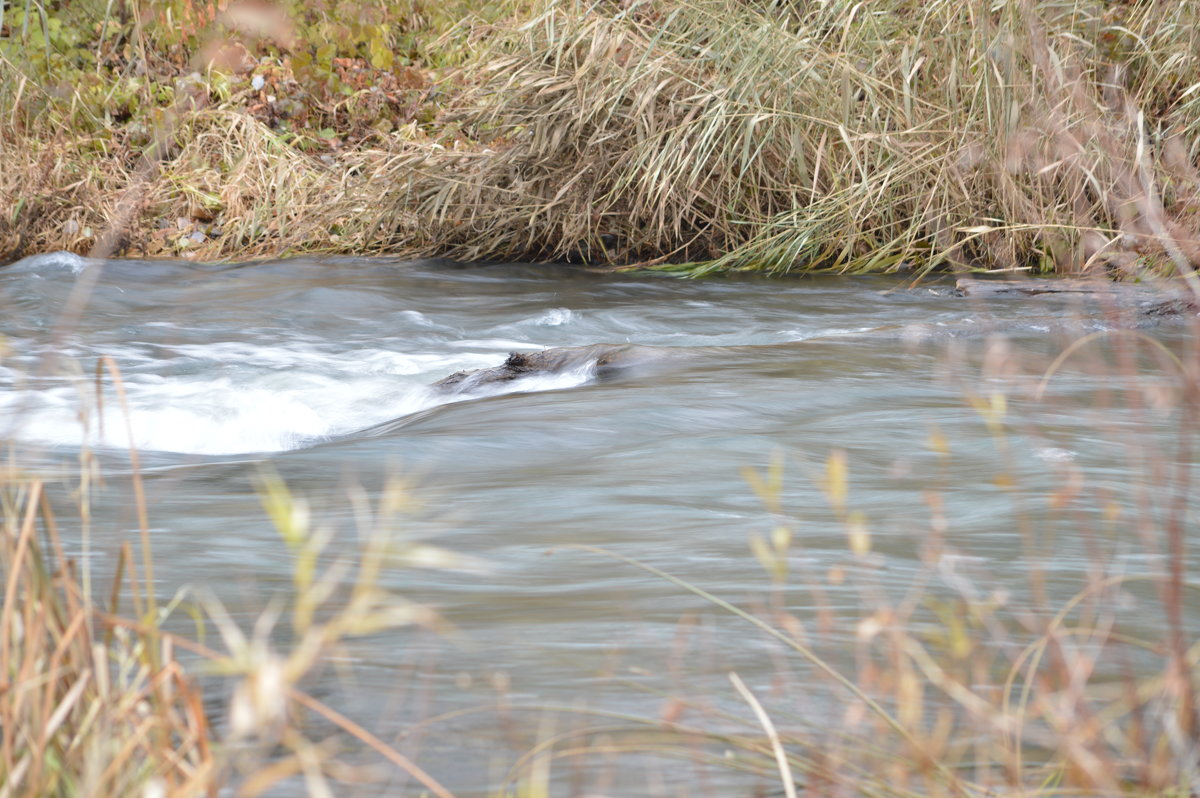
[(708, 135)]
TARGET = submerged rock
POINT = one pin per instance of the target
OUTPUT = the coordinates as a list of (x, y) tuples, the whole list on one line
[(1178, 306), (599, 361)]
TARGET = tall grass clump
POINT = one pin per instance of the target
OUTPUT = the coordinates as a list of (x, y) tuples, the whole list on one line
[(1050, 136), (158, 129)]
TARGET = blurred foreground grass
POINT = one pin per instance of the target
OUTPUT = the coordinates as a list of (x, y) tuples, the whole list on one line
[(94, 699)]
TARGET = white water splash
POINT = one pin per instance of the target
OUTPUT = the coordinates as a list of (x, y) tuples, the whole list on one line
[(555, 317), (209, 416), (53, 261), (535, 382), (229, 398), (1054, 454)]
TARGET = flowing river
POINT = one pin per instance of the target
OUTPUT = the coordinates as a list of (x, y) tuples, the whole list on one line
[(973, 464)]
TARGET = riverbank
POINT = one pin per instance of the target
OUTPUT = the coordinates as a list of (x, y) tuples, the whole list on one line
[(710, 136)]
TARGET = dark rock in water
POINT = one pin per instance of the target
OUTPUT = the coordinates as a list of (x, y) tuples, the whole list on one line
[(1179, 306), (1050, 287), (604, 361), (1138, 305), (517, 365)]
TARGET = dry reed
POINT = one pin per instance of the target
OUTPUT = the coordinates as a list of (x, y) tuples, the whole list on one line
[(86, 707), (95, 701)]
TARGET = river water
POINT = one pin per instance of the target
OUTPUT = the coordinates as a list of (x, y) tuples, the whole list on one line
[(967, 472)]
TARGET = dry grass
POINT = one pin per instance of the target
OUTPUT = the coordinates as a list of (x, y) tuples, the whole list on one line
[(1046, 136), (1038, 135), (88, 706), (95, 701)]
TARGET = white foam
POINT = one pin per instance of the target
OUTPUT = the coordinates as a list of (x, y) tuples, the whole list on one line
[(537, 382), (214, 417), (53, 261), (555, 317), (237, 398), (495, 344), (416, 318), (356, 361), (794, 335), (1053, 454)]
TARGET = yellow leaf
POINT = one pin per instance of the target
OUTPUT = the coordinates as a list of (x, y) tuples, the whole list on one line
[(909, 698), (768, 486), (836, 477), (999, 406), (938, 443), (775, 476), (992, 410), (960, 641), (781, 538), (289, 514), (860, 537), (772, 563), (756, 483), (761, 551)]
